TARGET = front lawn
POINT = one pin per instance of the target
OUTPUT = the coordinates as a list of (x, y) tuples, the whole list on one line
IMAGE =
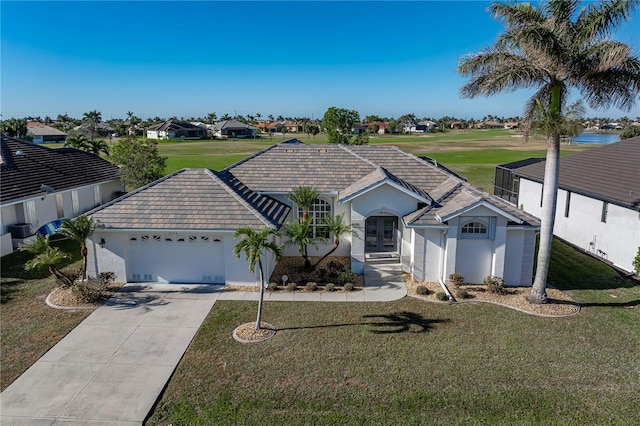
[(412, 362)]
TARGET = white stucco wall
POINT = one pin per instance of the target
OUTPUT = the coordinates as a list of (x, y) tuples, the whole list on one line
[(384, 200), (618, 237)]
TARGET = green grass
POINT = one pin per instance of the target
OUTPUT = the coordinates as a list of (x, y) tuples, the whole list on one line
[(472, 154), (411, 362), (30, 327)]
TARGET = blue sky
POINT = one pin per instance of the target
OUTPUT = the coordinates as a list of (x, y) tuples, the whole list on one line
[(282, 58)]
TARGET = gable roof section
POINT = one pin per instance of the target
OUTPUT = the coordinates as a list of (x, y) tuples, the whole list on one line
[(39, 129), (462, 198), (232, 124), (610, 173), (192, 199), (27, 166), (378, 178)]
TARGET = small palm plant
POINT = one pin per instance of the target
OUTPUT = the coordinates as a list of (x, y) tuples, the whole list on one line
[(337, 228), (252, 243), (300, 234), (79, 230), (45, 255), (78, 142), (304, 197)]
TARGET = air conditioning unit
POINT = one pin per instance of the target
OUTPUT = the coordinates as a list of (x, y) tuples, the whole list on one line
[(20, 230)]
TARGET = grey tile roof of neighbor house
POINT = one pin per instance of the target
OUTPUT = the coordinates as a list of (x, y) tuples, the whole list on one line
[(610, 173), (192, 199), (26, 166), (173, 124), (39, 129), (232, 124)]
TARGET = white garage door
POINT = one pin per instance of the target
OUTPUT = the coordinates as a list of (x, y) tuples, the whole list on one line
[(190, 258)]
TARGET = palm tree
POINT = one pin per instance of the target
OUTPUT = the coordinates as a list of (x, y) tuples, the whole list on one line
[(336, 227), (79, 141), (36, 247), (300, 234), (79, 230), (97, 146), (252, 243), (554, 48), (92, 118), (304, 197), (50, 258)]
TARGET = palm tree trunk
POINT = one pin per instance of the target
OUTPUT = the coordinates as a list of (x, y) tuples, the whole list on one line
[(84, 252), (335, 247), (549, 195), (259, 319), (66, 282)]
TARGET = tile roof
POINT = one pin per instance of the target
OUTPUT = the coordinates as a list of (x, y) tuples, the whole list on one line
[(39, 129), (461, 197), (173, 124), (26, 166), (610, 173), (379, 176), (192, 199), (232, 124)]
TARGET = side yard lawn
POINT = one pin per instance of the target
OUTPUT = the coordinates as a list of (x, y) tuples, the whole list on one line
[(412, 362), (29, 327)]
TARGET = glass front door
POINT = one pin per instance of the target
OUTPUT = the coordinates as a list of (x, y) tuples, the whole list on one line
[(380, 232)]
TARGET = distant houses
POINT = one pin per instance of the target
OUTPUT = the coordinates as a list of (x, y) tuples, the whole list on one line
[(176, 129), (41, 133), (234, 129)]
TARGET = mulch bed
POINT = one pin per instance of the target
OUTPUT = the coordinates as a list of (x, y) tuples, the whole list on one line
[(559, 303), (66, 298)]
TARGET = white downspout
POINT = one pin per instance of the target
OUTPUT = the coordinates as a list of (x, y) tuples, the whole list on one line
[(443, 250)]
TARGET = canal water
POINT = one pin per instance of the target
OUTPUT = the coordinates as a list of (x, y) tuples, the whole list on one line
[(596, 138)]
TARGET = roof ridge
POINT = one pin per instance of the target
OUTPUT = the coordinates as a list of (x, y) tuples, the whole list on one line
[(251, 157), (366, 160), (420, 160), (237, 196)]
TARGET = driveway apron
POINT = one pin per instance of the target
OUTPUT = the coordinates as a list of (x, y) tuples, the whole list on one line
[(112, 367)]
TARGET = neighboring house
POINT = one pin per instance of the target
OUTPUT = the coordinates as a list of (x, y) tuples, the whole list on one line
[(74, 182), (598, 207), (359, 129), (176, 129), (510, 125), (41, 133), (180, 228), (382, 126), (294, 126), (234, 129), (422, 127)]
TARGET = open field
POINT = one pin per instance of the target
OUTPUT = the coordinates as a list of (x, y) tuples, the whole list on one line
[(412, 362), (472, 154)]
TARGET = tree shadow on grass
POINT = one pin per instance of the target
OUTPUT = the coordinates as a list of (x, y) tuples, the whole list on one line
[(631, 304), (400, 322)]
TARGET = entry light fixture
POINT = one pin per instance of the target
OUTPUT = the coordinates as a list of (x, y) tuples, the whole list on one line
[(102, 243)]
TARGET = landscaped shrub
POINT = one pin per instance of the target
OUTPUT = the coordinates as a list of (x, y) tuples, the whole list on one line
[(349, 287), (330, 287), (636, 262), (495, 285), (311, 286), (322, 274), (292, 286), (272, 286), (441, 296), (347, 277), (422, 290), (335, 267), (462, 294), (106, 277), (456, 278), (72, 274), (88, 291)]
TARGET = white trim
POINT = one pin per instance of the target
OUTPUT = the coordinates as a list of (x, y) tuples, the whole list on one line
[(379, 184), (482, 203)]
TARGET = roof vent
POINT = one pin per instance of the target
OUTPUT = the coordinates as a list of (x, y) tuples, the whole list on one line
[(19, 152), (289, 150), (322, 151)]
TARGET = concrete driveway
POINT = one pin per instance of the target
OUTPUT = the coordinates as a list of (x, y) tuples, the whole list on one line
[(112, 367)]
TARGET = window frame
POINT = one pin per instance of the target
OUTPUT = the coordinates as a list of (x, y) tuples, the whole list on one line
[(317, 211)]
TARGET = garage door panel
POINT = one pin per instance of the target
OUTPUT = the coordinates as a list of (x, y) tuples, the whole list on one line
[(188, 259)]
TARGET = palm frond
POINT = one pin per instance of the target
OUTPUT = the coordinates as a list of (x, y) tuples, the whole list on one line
[(597, 21)]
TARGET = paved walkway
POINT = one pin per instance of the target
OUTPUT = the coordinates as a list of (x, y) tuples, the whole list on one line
[(111, 368)]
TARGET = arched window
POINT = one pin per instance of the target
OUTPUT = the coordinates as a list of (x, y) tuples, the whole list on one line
[(475, 228), (317, 212)]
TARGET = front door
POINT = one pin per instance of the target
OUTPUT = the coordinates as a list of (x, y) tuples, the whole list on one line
[(381, 235)]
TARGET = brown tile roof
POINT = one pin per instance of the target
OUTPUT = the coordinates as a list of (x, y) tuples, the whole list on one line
[(26, 166), (610, 173), (192, 199)]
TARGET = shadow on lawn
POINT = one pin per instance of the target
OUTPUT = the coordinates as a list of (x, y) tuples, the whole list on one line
[(399, 322)]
